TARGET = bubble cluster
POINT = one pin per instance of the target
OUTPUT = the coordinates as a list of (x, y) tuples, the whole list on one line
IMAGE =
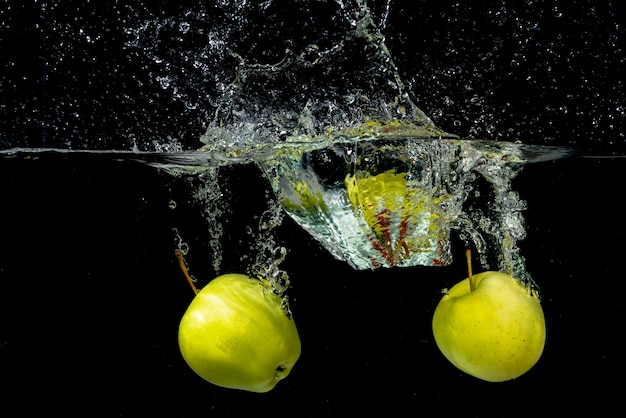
[(209, 195), (268, 254)]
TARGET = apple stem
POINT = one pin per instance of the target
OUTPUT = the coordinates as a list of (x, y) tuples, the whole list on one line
[(183, 267), (468, 256)]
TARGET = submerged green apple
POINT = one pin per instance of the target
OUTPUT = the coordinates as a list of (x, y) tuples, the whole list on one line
[(237, 334), (490, 326)]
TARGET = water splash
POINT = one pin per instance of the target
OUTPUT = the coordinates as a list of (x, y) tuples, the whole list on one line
[(327, 118), (388, 195), (327, 66)]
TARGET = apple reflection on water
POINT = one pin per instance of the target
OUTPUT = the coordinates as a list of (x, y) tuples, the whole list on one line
[(389, 193)]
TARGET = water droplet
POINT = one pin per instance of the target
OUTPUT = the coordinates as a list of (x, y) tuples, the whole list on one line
[(164, 81), (183, 27)]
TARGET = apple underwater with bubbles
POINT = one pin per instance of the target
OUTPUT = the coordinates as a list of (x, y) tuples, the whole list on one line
[(490, 326), (237, 334)]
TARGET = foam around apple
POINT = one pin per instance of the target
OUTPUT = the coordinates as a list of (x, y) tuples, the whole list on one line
[(236, 334), (490, 326)]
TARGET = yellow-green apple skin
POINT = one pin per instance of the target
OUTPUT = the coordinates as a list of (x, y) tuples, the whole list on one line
[(496, 332), (236, 334)]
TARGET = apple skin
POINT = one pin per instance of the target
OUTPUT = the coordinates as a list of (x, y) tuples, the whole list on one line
[(236, 334), (496, 332)]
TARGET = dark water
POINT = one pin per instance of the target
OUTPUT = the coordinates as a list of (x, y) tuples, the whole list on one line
[(91, 294)]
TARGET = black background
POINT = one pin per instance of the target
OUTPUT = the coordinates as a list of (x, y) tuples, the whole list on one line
[(91, 293), (545, 72)]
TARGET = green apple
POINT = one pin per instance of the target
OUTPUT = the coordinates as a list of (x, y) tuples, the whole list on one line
[(237, 334), (490, 326)]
